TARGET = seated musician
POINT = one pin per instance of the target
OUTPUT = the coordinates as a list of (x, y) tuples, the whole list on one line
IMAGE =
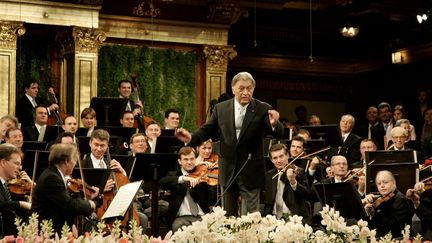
[(88, 119), (152, 131), (51, 199), (207, 158), (365, 145), (35, 132), (390, 211), (6, 122), (127, 119), (15, 137), (10, 165), (286, 194), (125, 89), (99, 142), (189, 196), (421, 199), (70, 125)]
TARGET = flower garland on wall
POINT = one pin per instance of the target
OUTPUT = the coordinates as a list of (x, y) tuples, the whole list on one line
[(216, 227), (166, 78)]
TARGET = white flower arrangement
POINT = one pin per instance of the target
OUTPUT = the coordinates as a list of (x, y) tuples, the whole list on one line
[(216, 227)]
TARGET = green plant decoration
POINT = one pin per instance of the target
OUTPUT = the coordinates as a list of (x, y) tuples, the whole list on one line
[(166, 78)]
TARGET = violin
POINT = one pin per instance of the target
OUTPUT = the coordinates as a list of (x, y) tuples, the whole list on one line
[(204, 174), (20, 187), (382, 199), (77, 187)]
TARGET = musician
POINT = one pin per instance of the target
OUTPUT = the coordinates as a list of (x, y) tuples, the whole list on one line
[(172, 119), (10, 165), (189, 197), (399, 138), (286, 194), (422, 205), (70, 125), (391, 212), (373, 128), (88, 119), (36, 132), (206, 157), (385, 115), (138, 144), (125, 89), (350, 142), (6, 122), (51, 199), (365, 145), (99, 142), (127, 119), (152, 131), (25, 106), (15, 137)]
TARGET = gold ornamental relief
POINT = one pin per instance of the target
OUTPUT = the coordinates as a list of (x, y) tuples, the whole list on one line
[(87, 39), (217, 56), (9, 31)]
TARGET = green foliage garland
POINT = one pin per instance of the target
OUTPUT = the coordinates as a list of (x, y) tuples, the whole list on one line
[(166, 78)]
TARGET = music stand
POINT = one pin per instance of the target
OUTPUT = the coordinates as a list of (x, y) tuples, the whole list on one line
[(391, 156), (108, 110), (93, 176), (152, 167), (124, 132), (406, 175), (82, 132), (330, 133), (122, 159), (52, 133), (34, 145), (41, 158), (168, 144), (167, 132), (343, 197)]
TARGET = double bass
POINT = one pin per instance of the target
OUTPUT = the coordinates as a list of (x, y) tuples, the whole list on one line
[(141, 121), (108, 197), (55, 117)]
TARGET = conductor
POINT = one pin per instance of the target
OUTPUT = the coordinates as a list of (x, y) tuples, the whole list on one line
[(240, 123)]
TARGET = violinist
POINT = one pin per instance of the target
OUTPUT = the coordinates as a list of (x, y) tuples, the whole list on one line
[(390, 211), (207, 158), (286, 194), (189, 196), (25, 106), (36, 131), (421, 202), (51, 199), (10, 165), (70, 125)]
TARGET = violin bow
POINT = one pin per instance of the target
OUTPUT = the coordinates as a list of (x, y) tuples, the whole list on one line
[(287, 166), (36, 159)]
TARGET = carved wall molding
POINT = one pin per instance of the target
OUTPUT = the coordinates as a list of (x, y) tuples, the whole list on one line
[(225, 12), (87, 39), (217, 57), (9, 31)]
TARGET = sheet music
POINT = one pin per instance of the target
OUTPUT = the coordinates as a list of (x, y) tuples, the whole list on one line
[(122, 200)]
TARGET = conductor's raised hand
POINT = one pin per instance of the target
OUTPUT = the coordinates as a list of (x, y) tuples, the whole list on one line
[(183, 135), (273, 117)]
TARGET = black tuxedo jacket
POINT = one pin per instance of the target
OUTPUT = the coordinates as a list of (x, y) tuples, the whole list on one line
[(296, 200), (30, 133), (199, 193), (392, 216), (51, 200), (25, 110), (235, 152), (350, 149)]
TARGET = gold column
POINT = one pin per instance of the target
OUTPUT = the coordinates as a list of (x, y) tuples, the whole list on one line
[(216, 67), (79, 67), (9, 31)]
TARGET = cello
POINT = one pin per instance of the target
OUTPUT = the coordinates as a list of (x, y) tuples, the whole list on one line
[(119, 181)]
